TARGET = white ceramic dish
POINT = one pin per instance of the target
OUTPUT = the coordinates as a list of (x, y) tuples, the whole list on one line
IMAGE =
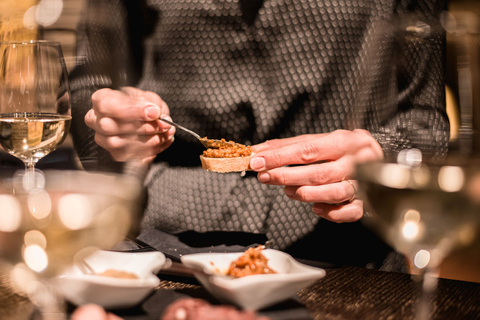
[(256, 291), (112, 293)]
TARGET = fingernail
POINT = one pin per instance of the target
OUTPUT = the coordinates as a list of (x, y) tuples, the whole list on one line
[(152, 112), (263, 177), (257, 163)]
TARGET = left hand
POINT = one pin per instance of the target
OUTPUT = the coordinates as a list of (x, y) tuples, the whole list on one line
[(325, 160)]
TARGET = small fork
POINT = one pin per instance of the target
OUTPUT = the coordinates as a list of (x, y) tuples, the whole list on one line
[(208, 143)]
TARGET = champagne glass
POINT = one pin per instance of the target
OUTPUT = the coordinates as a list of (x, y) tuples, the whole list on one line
[(35, 112), (68, 215)]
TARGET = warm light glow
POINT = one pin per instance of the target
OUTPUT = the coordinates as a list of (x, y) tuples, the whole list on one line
[(410, 230), (467, 234), (48, 12), (394, 176), (21, 277), (451, 179), (410, 157), (11, 214), (421, 176), (28, 183), (29, 18), (35, 258), (422, 258), (412, 215), (39, 204), (75, 211), (35, 237)]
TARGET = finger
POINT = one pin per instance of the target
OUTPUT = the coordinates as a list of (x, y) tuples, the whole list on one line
[(151, 96), (277, 143), (307, 151), (116, 104), (126, 147), (111, 126), (372, 150), (312, 174), (350, 212), (148, 96), (336, 193)]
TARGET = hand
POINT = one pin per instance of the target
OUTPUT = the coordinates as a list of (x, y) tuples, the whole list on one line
[(313, 169), (92, 312), (126, 125)]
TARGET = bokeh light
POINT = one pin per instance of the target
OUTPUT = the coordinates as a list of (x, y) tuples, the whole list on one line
[(451, 179), (75, 211), (39, 204), (35, 237), (422, 259), (48, 12), (395, 176), (45, 13), (11, 215), (35, 257)]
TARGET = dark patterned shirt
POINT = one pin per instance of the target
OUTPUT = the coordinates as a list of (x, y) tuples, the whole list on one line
[(250, 71)]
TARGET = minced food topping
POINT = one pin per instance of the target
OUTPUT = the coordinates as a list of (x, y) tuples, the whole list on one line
[(234, 151)]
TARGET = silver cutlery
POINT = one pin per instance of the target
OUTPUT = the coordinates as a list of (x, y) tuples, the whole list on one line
[(208, 143)]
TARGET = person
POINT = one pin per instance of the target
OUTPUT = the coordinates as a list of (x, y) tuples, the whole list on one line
[(275, 75)]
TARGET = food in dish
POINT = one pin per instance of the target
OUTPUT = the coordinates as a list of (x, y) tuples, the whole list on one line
[(113, 273), (235, 158), (257, 291), (196, 309), (81, 288), (250, 263)]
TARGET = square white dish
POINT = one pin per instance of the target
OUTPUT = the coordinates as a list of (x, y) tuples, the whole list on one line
[(108, 292), (253, 292)]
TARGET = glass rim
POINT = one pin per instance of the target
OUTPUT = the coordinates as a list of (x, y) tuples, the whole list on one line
[(30, 42)]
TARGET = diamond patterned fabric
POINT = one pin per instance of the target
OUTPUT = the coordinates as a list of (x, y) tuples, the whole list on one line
[(252, 71)]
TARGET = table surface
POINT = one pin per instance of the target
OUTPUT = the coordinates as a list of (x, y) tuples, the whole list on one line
[(344, 293)]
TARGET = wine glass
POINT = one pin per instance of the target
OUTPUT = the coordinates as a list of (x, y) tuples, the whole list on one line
[(68, 215), (35, 112), (425, 206), (424, 209)]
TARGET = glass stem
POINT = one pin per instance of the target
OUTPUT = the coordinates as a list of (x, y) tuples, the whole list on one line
[(428, 285), (50, 303), (29, 175)]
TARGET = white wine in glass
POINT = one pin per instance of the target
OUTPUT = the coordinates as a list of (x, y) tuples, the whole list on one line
[(425, 210), (35, 111), (46, 229), (423, 205)]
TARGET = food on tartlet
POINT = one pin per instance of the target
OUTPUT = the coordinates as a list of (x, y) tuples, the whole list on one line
[(232, 158)]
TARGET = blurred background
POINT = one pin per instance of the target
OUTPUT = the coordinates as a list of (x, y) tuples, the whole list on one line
[(57, 20)]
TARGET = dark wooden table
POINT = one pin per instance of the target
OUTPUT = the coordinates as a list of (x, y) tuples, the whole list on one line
[(344, 293)]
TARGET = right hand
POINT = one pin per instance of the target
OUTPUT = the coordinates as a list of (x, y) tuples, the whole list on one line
[(126, 124)]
